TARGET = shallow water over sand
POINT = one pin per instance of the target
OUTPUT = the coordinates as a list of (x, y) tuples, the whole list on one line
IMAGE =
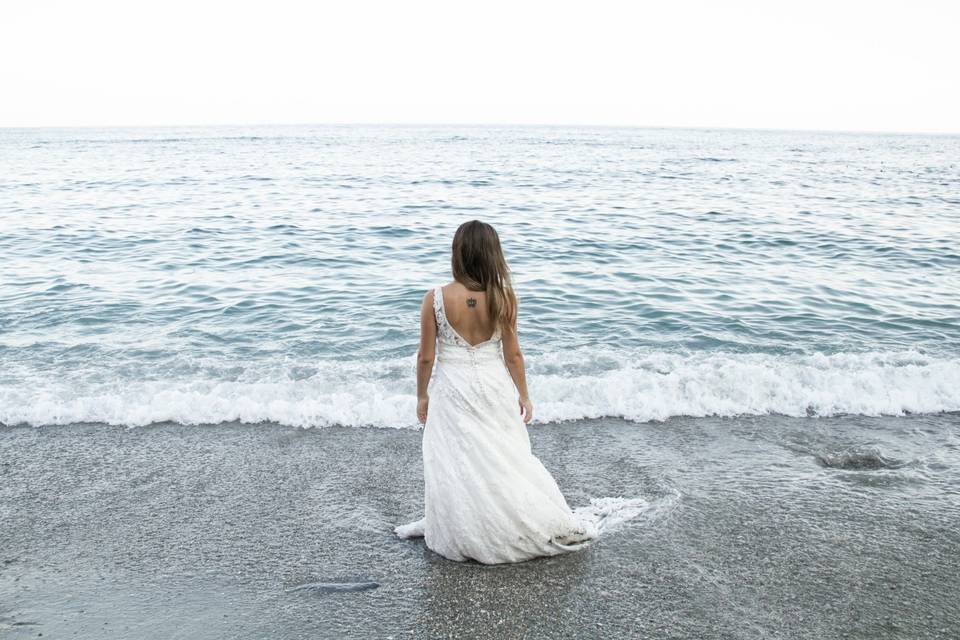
[(768, 527)]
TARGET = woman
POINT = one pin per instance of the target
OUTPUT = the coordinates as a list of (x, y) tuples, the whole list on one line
[(486, 496)]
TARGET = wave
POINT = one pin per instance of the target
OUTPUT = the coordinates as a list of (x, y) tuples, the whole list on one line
[(569, 385)]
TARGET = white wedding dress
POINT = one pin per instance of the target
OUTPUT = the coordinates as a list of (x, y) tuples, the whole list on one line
[(486, 496)]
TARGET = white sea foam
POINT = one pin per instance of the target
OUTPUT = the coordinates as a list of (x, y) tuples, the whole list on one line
[(569, 385), (609, 513)]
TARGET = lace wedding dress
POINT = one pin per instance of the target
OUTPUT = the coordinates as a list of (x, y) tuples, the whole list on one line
[(486, 496)]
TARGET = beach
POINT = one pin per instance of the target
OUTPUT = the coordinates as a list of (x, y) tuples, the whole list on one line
[(208, 340), (758, 527)]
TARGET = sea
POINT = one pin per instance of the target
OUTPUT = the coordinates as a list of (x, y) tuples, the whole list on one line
[(275, 274), (207, 380)]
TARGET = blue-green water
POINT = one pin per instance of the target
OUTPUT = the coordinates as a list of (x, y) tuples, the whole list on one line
[(275, 274)]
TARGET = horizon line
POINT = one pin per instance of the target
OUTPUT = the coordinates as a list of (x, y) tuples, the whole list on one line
[(196, 125)]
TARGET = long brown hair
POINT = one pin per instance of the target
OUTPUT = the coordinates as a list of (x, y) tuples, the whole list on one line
[(478, 264)]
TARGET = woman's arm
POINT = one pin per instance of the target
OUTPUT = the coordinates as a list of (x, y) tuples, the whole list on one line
[(513, 358), (426, 354)]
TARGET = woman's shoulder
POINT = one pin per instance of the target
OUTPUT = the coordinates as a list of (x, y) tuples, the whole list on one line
[(429, 294), (447, 288)]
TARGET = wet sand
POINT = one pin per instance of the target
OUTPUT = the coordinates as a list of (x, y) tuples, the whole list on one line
[(768, 527)]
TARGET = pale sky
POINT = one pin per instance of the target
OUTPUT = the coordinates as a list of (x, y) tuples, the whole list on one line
[(838, 65)]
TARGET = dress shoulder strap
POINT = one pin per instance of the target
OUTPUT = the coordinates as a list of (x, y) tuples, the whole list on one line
[(438, 304), (445, 332)]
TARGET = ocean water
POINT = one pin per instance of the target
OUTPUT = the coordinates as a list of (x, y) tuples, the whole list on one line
[(274, 274), (729, 328)]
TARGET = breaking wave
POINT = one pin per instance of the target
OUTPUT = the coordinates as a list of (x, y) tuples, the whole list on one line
[(568, 385)]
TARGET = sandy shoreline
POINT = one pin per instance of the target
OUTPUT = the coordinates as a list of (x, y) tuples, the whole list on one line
[(782, 527)]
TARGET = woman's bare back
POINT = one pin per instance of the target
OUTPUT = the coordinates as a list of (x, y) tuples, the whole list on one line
[(467, 312)]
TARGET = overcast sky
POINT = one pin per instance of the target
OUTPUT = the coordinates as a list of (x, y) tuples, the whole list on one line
[(841, 64)]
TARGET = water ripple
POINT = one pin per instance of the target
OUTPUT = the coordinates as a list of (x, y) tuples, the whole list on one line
[(272, 245)]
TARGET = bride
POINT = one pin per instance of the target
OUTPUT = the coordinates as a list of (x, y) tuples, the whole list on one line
[(486, 496)]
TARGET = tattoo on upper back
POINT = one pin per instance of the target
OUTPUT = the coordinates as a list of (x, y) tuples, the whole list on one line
[(471, 302)]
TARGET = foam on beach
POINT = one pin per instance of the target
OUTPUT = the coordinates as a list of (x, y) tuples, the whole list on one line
[(571, 385), (610, 513)]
